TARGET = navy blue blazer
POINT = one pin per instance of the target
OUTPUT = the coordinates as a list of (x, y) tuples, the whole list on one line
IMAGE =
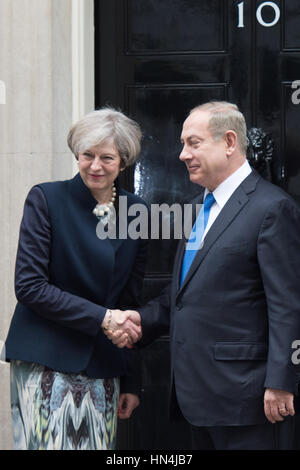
[(66, 278), (233, 321)]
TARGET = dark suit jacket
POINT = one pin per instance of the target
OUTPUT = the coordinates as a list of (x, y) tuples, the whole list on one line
[(66, 278), (233, 321)]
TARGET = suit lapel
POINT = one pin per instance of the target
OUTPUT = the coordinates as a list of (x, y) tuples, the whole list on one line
[(182, 243), (178, 262), (229, 212)]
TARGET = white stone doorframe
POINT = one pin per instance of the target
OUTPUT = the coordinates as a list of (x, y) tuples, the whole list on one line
[(83, 63)]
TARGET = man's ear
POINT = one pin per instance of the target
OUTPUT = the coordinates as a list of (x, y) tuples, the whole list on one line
[(231, 142)]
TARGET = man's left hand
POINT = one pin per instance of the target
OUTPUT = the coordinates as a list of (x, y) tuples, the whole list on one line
[(278, 404)]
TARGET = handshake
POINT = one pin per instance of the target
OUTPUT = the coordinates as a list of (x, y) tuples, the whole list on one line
[(123, 328)]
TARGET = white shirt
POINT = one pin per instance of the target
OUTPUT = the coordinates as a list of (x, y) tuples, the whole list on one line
[(224, 191)]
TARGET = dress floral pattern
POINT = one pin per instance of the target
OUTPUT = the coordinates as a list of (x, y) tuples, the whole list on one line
[(57, 411)]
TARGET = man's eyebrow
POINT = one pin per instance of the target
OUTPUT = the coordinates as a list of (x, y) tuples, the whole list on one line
[(190, 137)]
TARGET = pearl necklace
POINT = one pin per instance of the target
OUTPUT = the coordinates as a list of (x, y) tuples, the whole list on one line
[(104, 211)]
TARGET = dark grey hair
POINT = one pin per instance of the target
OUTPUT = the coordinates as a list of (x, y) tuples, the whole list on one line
[(225, 116)]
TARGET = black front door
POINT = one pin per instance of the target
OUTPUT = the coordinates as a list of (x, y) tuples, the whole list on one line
[(158, 59)]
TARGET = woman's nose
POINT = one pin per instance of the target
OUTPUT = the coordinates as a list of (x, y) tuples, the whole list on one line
[(96, 164)]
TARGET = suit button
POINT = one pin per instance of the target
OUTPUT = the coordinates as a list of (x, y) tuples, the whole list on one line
[(179, 306)]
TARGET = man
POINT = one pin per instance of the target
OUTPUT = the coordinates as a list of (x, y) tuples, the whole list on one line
[(233, 307)]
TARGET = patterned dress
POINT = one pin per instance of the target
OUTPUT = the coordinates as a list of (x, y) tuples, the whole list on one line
[(56, 411)]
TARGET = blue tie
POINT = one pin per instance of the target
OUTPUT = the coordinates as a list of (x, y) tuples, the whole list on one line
[(196, 236)]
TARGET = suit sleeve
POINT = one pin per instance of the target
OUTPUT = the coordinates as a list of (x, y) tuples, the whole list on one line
[(155, 317), (32, 284), (278, 256), (130, 299)]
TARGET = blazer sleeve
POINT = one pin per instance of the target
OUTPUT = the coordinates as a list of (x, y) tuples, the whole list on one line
[(278, 256), (32, 286)]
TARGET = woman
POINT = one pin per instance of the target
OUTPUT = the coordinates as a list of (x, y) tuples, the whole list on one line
[(69, 284)]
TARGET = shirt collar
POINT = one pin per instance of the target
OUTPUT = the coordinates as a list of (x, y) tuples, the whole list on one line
[(225, 190)]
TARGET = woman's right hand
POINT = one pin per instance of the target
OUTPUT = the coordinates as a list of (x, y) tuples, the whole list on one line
[(122, 327)]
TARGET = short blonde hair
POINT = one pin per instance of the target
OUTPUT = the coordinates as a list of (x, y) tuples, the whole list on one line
[(225, 116), (106, 124)]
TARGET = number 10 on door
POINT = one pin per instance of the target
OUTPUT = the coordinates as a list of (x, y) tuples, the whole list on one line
[(259, 14)]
